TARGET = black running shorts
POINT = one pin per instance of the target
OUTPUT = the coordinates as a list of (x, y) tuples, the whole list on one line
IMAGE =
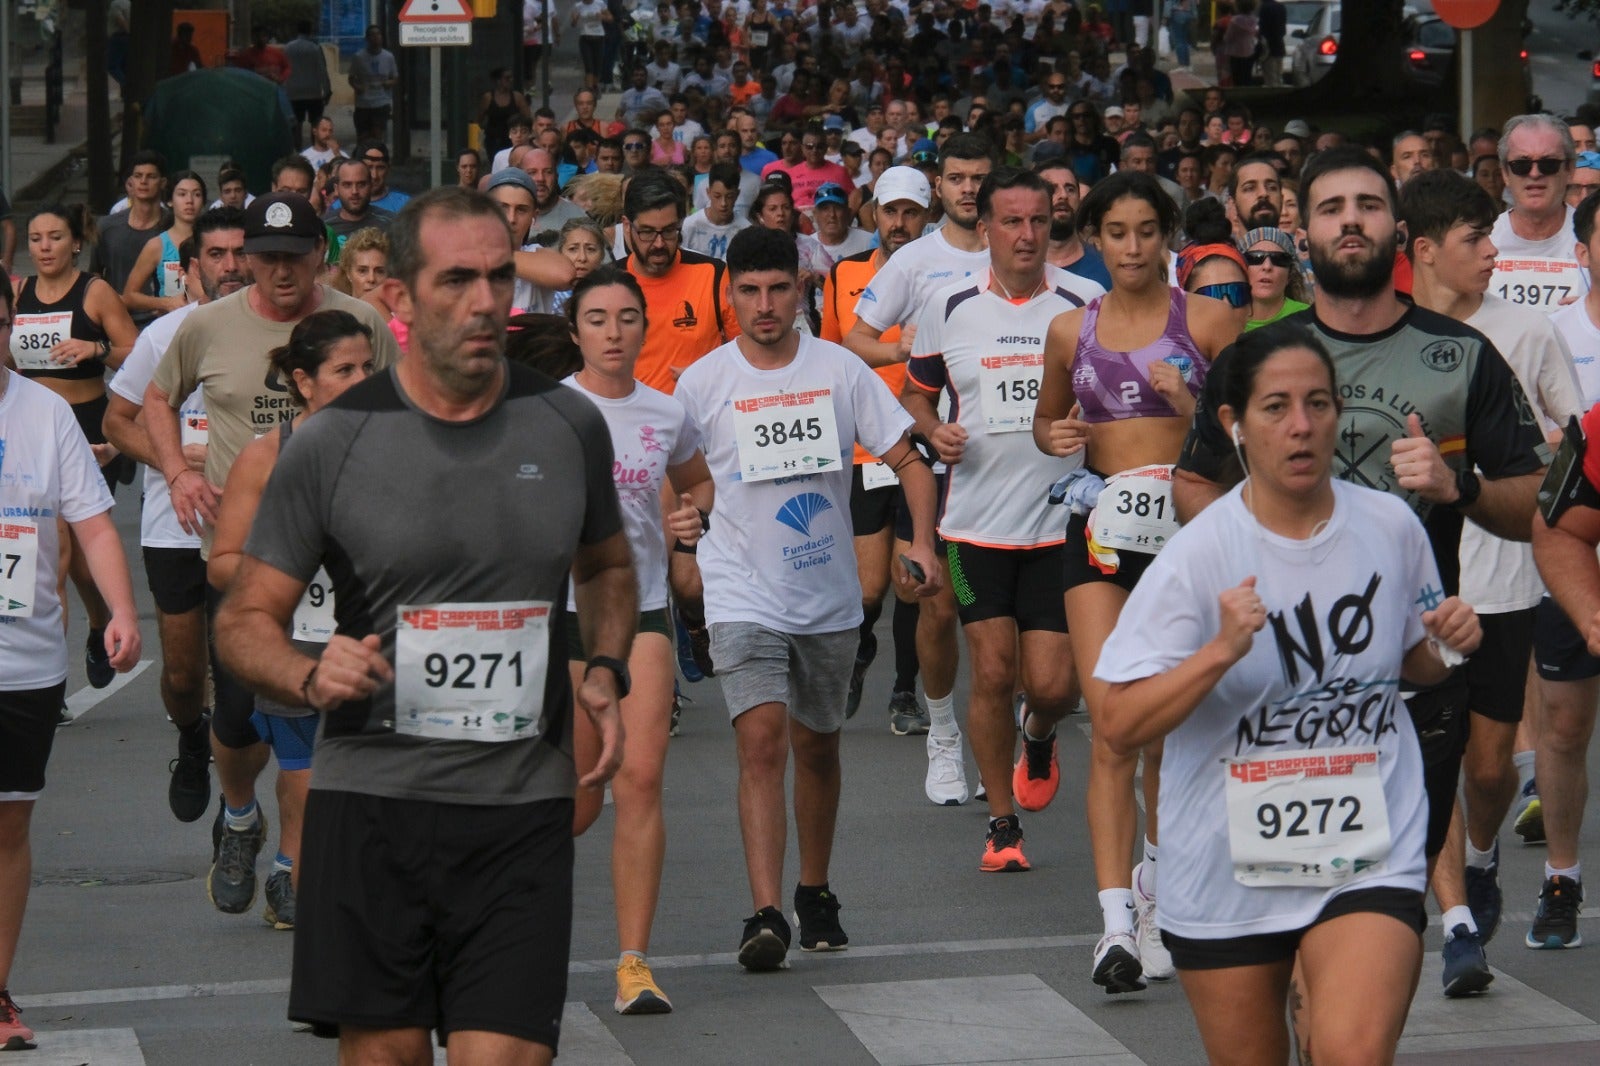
[(871, 512), (438, 916), (1189, 953), (28, 720), (1080, 571), (177, 578), (1559, 651), (1497, 673), (1019, 583)]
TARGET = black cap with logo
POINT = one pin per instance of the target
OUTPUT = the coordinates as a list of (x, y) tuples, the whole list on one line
[(281, 222)]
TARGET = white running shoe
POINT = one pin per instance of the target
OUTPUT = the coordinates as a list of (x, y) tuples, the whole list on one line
[(1116, 964), (946, 784), (1153, 954)]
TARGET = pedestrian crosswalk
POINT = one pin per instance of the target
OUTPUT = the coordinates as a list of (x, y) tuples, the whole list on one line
[(1014, 1018)]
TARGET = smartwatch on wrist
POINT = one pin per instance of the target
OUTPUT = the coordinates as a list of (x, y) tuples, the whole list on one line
[(617, 667), (1469, 486)]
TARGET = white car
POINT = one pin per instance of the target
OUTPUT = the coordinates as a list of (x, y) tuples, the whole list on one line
[(1301, 13), (1317, 45)]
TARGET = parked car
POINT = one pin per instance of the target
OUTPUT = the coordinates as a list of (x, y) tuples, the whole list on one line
[(1301, 13), (1431, 55), (1317, 45)]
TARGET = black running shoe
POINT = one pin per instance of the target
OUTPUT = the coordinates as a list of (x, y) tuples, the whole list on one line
[(189, 790), (866, 651), (96, 663), (1555, 924), (765, 941), (231, 882), (700, 648), (816, 912)]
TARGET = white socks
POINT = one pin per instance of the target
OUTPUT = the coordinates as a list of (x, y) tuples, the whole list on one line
[(942, 716), (1457, 916), (1116, 910), (1479, 860)]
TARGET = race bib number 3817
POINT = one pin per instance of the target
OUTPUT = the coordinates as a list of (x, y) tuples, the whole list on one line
[(471, 671)]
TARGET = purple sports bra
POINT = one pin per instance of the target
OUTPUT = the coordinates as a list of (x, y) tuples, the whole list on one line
[(1113, 385)]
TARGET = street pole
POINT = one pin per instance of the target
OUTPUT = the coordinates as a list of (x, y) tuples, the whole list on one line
[(1465, 52), (545, 52), (435, 107), (5, 113)]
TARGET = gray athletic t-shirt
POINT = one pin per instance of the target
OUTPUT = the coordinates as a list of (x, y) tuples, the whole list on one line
[(405, 510)]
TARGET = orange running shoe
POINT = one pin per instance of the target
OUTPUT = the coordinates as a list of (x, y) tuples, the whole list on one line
[(1002, 848), (1037, 775)]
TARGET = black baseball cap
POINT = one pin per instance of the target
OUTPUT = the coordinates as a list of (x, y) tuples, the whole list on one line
[(281, 222)]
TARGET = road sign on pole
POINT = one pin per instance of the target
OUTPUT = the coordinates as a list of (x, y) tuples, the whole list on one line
[(432, 23)]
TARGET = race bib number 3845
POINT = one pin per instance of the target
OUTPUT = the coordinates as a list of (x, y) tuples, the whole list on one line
[(786, 434), (1307, 818), (471, 671)]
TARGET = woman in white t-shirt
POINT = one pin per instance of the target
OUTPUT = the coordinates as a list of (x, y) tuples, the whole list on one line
[(654, 445), (48, 480), (1267, 644)]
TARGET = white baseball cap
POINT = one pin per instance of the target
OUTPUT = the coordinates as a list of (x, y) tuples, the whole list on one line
[(903, 183)]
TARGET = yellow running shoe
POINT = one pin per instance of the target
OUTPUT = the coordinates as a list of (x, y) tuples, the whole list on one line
[(637, 991)]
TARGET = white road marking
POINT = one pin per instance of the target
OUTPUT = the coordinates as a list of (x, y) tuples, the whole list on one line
[(77, 1047), (1016, 1018), (1510, 1015), (84, 700)]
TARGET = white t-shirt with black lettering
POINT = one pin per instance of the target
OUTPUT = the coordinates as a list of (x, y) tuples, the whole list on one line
[(1321, 678), (1536, 274)]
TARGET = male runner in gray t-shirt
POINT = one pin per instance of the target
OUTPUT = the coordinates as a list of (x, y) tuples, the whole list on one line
[(449, 500)]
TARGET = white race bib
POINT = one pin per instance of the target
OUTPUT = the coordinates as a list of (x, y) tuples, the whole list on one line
[(471, 671), (1134, 512), (758, 38), (1010, 388), (786, 434), (1307, 819), (1542, 284), (19, 568), (877, 476), (32, 337), (313, 615), (172, 283)]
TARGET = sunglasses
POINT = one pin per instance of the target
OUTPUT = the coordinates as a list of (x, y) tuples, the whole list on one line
[(635, 146), (923, 157), (1281, 260), (1523, 167), (1234, 293)]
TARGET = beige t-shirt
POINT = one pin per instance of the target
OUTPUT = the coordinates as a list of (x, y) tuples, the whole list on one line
[(224, 347)]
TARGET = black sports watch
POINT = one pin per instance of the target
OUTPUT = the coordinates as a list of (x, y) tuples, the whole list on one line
[(1469, 486), (617, 667)]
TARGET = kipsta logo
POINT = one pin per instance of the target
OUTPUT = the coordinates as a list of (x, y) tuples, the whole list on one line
[(688, 319), (798, 512)]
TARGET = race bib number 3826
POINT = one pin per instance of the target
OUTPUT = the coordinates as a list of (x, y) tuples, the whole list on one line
[(1307, 818), (471, 671)]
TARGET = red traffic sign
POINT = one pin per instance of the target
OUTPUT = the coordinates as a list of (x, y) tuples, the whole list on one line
[(1465, 14), (419, 12)]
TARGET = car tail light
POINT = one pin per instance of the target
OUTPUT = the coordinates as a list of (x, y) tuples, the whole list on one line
[(1596, 71), (1417, 55), (1330, 47), (1523, 55)]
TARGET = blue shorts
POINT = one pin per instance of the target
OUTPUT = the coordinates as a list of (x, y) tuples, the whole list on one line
[(291, 738)]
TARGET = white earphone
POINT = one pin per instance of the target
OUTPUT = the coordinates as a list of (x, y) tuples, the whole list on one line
[(1238, 438)]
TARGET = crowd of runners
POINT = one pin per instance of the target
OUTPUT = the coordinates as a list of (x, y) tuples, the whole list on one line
[(1234, 438)]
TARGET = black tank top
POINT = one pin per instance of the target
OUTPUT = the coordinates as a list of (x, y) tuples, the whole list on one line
[(83, 327), (497, 124)]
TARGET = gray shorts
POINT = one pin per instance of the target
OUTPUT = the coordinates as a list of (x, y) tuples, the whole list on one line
[(809, 675)]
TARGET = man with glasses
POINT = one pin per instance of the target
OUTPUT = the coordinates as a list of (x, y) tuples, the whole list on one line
[(635, 151), (1537, 266), (685, 292), (1052, 103), (375, 154), (1585, 177), (813, 171)]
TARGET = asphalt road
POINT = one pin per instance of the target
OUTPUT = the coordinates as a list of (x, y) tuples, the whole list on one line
[(123, 960)]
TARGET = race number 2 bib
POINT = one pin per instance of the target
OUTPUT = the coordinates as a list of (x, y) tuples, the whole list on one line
[(32, 337), (1010, 389), (313, 615), (1134, 512), (19, 568), (786, 434), (1307, 819), (1543, 284), (471, 671)]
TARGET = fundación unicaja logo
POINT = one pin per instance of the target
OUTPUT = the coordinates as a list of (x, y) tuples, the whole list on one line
[(798, 511)]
